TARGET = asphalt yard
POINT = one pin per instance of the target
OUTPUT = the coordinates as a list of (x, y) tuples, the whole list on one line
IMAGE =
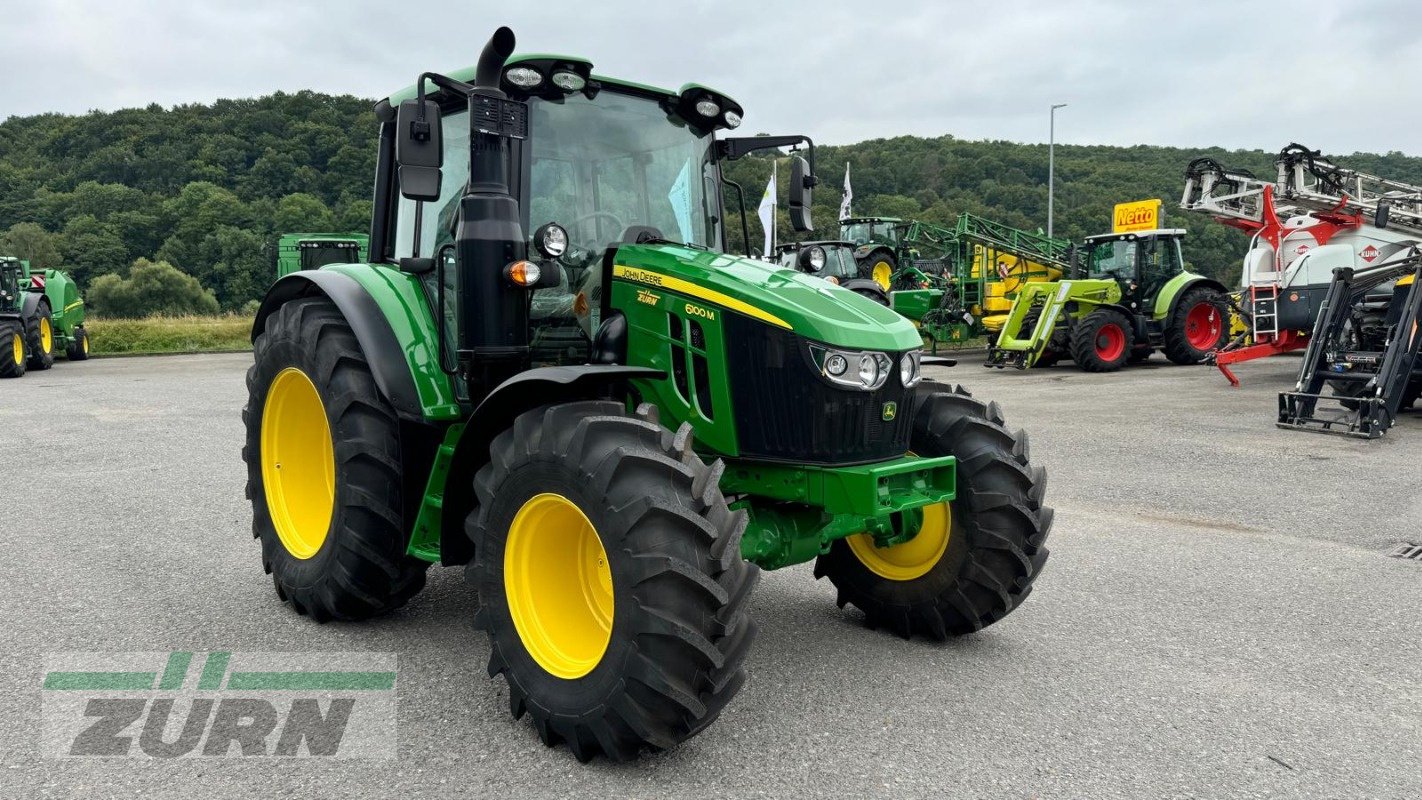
[(1219, 617)]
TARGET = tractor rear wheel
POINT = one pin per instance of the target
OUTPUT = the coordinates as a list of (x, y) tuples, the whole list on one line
[(324, 470), (13, 354), (1102, 341), (1198, 326), (610, 579), (974, 559), (39, 337), (78, 349)]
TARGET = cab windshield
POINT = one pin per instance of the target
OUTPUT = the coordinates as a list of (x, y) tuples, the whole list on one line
[(866, 232), (1113, 259), (602, 166)]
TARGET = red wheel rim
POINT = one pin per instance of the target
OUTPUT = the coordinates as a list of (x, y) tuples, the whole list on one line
[(1110, 342), (1203, 326)]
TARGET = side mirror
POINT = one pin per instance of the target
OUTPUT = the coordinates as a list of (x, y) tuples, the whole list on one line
[(800, 182), (419, 149)]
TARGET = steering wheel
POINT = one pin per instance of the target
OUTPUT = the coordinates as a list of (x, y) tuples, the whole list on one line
[(577, 223)]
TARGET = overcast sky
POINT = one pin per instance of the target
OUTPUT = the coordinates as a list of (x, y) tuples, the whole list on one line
[(1340, 76)]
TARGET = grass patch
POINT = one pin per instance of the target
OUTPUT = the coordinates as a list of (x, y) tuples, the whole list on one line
[(226, 333)]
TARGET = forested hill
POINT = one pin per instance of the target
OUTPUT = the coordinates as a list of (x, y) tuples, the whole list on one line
[(206, 187)]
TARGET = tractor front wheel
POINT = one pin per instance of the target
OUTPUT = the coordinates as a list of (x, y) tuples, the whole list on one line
[(39, 337), (1102, 341), (324, 470), (610, 579), (973, 559), (13, 354), (878, 297), (78, 348), (1198, 326)]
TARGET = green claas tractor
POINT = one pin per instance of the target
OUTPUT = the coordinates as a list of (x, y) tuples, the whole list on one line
[(1137, 297), (611, 500), (41, 313), (298, 251)]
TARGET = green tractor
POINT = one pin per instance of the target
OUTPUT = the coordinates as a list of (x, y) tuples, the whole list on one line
[(299, 251), (834, 262), (878, 247), (1137, 297), (612, 502), (41, 313)]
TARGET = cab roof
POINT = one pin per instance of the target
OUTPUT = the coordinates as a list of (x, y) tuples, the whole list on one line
[(1159, 233)]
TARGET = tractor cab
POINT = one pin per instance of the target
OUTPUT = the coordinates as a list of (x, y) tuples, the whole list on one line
[(11, 277), (307, 251), (1142, 263), (872, 230)]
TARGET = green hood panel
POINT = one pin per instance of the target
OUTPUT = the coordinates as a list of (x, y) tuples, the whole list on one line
[(812, 307)]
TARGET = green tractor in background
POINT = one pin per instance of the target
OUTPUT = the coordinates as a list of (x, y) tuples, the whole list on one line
[(879, 248), (834, 262), (299, 251), (1136, 297), (41, 313), (611, 501)]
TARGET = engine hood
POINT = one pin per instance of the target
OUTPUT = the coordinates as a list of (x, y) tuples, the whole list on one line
[(812, 307)]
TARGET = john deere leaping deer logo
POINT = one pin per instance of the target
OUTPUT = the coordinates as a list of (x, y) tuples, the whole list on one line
[(890, 410)]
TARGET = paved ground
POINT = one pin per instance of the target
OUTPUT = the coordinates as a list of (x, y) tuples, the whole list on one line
[(1218, 618)]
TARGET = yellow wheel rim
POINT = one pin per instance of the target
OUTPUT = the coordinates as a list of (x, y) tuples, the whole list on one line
[(914, 558), (84, 343), (298, 463), (558, 585), (18, 344), (46, 335), (882, 274)]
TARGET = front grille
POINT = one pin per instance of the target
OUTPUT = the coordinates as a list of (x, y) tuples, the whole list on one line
[(786, 412)]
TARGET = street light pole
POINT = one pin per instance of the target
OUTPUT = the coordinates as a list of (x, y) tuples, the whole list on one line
[(1052, 164)]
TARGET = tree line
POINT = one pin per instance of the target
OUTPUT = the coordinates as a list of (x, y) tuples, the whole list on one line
[(204, 189)]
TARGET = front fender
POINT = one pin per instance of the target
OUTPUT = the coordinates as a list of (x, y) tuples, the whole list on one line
[(525, 391), (391, 319)]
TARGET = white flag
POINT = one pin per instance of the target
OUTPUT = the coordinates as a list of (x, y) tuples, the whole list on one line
[(766, 212), (848, 196)]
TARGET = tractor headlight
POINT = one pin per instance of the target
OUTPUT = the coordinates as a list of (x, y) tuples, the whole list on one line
[(707, 107), (569, 81), (813, 258), (551, 240), (866, 371), (523, 77), (909, 367), (733, 120)]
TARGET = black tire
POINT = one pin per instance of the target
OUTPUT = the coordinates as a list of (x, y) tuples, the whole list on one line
[(41, 357), (1413, 393), (874, 262), (1180, 328), (1095, 348), (678, 631), (78, 349), (12, 334), (878, 297), (996, 546), (360, 569)]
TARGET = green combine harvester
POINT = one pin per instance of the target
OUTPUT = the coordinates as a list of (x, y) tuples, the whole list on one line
[(611, 500), (299, 251), (41, 313), (1136, 297)]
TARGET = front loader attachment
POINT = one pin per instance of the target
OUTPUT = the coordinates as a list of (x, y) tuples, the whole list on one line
[(1369, 384), (1029, 325)]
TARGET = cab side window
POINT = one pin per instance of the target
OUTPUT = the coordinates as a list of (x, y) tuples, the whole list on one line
[(437, 218)]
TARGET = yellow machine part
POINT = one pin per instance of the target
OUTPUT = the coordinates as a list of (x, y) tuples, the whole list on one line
[(997, 302)]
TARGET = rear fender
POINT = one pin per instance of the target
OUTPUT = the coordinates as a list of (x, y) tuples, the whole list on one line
[(496, 413)]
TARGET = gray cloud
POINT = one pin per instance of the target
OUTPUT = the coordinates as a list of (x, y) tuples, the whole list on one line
[(1239, 74)]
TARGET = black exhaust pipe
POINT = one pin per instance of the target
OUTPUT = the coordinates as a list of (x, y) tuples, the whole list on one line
[(492, 58), (492, 313)]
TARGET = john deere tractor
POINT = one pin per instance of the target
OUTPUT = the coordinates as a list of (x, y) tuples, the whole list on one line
[(611, 499), (298, 251), (40, 313), (1136, 297)]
